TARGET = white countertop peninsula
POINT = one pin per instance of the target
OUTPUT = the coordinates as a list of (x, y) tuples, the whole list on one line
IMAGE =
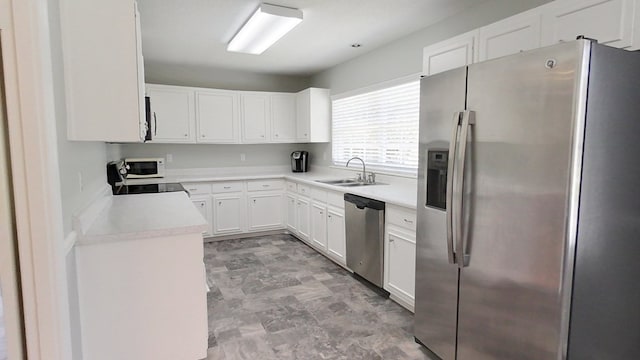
[(140, 270)]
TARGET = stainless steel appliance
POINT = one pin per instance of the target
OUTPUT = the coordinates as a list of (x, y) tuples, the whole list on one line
[(299, 161), (533, 254), (140, 168), (364, 231)]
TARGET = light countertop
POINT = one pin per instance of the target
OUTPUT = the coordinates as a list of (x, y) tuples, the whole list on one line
[(129, 217), (395, 190)]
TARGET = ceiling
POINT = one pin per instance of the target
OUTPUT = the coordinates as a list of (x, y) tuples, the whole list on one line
[(195, 32)]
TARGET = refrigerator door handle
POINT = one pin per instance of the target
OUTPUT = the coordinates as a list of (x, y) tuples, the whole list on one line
[(450, 174), (468, 119)]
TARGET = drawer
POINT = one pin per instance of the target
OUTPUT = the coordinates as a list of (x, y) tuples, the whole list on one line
[(257, 185), (402, 217), (319, 194), (223, 187), (292, 187), (304, 190), (336, 199), (198, 188)]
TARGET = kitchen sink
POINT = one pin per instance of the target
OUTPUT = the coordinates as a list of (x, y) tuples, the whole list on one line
[(347, 182)]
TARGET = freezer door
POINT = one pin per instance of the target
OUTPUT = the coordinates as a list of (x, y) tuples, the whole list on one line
[(516, 204), (442, 97)]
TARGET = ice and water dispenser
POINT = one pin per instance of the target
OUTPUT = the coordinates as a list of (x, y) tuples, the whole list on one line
[(437, 163)]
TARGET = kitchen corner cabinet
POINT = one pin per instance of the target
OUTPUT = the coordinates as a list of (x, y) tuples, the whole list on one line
[(610, 22), (283, 117), (172, 114), (313, 108), (217, 116), (256, 117), (400, 254), (510, 36), (203, 204), (103, 70), (455, 52)]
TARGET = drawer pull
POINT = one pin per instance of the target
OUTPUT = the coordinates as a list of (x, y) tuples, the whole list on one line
[(265, 185), (408, 221), (227, 187)]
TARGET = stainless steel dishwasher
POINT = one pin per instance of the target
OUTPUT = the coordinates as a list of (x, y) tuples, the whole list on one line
[(365, 234)]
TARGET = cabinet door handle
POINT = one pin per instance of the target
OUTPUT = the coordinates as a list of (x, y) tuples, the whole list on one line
[(321, 213), (408, 221), (329, 216), (186, 135), (219, 203), (391, 240), (254, 201), (202, 135), (192, 190), (261, 136), (155, 124)]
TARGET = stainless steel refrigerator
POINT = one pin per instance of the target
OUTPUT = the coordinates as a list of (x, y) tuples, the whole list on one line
[(528, 230)]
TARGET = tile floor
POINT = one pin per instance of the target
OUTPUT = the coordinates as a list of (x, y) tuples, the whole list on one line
[(274, 297)]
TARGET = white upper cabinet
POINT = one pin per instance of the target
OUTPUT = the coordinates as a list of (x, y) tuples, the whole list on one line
[(450, 54), (608, 21), (217, 119), (512, 35), (313, 107), (172, 114), (104, 75), (283, 117), (256, 116)]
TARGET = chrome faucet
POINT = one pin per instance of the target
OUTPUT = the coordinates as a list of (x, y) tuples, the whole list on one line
[(361, 177)]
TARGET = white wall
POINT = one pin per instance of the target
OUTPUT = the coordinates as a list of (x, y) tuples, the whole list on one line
[(404, 57), (208, 156), (199, 76)]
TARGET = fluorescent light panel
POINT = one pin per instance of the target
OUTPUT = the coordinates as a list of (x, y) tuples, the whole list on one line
[(266, 26)]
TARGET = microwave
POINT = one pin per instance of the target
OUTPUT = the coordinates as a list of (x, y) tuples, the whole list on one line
[(140, 168)]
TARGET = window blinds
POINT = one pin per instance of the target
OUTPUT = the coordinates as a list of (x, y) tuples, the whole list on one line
[(379, 126)]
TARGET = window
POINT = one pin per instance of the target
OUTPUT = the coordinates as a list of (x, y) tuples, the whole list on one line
[(379, 126)]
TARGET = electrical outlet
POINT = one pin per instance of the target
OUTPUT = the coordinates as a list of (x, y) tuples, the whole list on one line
[(169, 158), (80, 183), (243, 157)]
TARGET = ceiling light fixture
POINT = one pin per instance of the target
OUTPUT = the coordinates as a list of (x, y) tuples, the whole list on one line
[(266, 26)]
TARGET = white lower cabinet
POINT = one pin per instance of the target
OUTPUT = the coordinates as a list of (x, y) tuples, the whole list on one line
[(203, 204), (336, 242), (291, 212), (400, 254), (228, 213), (400, 263), (319, 225), (265, 210), (303, 207)]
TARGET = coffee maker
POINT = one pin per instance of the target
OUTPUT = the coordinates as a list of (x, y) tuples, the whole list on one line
[(299, 161)]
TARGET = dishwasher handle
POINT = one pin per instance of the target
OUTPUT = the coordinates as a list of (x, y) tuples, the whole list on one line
[(363, 202)]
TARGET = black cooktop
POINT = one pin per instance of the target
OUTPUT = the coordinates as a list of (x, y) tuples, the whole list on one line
[(147, 188)]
